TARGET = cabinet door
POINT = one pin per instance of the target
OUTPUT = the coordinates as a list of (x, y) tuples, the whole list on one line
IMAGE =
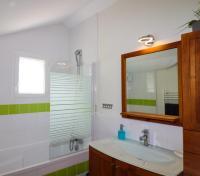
[(100, 164), (142, 172), (191, 80), (191, 142), (124, 169), (191, 164)]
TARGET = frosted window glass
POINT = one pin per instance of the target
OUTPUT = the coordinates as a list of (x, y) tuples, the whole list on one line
[(31, 76)]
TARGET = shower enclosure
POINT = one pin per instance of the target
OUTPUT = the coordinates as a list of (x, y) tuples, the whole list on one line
[(71, 107)]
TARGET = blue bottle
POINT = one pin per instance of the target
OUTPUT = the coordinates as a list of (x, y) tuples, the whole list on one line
[(121, 133)]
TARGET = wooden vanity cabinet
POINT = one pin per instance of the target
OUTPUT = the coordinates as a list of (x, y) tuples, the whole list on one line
[(124, 169), (191, 102), (99, 164), (103, 165)]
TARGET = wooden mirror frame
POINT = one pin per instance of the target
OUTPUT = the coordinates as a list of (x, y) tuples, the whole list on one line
[(159, 118)]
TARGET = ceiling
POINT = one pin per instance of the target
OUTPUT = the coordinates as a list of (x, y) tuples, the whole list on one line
[(154, 61), (17, 15)]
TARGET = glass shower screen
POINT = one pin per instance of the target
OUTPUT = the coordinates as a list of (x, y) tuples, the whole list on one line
[(71, 112)]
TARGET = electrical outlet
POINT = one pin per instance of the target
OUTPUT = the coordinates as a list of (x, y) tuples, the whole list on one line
[(107, 106)]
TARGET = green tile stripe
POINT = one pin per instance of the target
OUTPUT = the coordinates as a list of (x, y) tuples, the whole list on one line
[(24, 108), (141, 102), (72, 170)]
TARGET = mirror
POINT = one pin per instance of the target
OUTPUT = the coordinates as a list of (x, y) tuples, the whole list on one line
[(150, 84)]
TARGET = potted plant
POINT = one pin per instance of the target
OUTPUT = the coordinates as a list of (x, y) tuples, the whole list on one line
[(195, 24)]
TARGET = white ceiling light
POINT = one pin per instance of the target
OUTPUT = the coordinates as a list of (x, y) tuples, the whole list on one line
[(147, 40)]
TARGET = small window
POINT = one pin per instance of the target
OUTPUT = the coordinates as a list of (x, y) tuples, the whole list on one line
[(31, 76)]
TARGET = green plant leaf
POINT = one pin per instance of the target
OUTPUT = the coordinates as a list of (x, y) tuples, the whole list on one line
[(190, 23), (197, 14), (184, 25)]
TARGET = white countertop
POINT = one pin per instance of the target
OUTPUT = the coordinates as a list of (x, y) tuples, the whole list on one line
[(115, 149)]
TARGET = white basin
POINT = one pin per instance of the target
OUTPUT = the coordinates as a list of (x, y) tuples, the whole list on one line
[(151, 158), (149, 154), (141, 152)]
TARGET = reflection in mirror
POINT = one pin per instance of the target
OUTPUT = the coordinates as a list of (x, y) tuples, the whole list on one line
[(152, 83)]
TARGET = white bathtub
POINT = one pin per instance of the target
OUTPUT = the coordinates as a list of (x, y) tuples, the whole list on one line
[(51, 166)]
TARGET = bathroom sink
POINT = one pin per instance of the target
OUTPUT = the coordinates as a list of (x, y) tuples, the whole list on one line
[(151, 158), (148, 154)]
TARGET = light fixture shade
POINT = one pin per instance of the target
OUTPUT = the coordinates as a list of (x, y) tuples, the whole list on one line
[(147, 40)]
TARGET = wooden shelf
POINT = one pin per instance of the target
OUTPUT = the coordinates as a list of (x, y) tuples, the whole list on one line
[(173, 120)]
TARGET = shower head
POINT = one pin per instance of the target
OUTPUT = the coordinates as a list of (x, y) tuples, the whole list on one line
[(78, 52)]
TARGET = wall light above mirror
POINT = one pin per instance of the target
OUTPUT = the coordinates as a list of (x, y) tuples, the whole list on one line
[(147, 40), (151, 84)]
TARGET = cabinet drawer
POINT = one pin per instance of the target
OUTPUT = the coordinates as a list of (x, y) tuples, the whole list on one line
[(191, 141)]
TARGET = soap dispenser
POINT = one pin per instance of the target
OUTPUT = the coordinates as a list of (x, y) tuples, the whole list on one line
[(121, 133)]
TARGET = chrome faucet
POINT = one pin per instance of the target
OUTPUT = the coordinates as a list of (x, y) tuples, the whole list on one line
[(145, 137), (74, 144)]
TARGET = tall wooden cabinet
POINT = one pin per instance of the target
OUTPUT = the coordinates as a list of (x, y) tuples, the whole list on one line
[(191, 102), (191, 80)]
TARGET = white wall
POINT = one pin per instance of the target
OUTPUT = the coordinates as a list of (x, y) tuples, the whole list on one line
[(26, 135), (49, 43), (119, 27), (84, 36)]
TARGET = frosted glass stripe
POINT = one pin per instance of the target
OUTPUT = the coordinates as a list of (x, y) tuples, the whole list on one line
[(70, 97)]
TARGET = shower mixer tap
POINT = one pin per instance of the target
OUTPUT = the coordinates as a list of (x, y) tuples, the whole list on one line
[(75, 143), (78, 54)]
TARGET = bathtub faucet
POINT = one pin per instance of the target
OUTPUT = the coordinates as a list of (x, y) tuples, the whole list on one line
[(74, 144)]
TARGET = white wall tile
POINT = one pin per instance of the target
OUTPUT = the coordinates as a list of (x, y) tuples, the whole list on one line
[(26, 136)]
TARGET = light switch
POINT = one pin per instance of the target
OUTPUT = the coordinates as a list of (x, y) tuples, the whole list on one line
[(107, 106)]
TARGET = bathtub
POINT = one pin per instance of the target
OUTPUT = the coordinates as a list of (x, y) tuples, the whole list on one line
[(52, 165)]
